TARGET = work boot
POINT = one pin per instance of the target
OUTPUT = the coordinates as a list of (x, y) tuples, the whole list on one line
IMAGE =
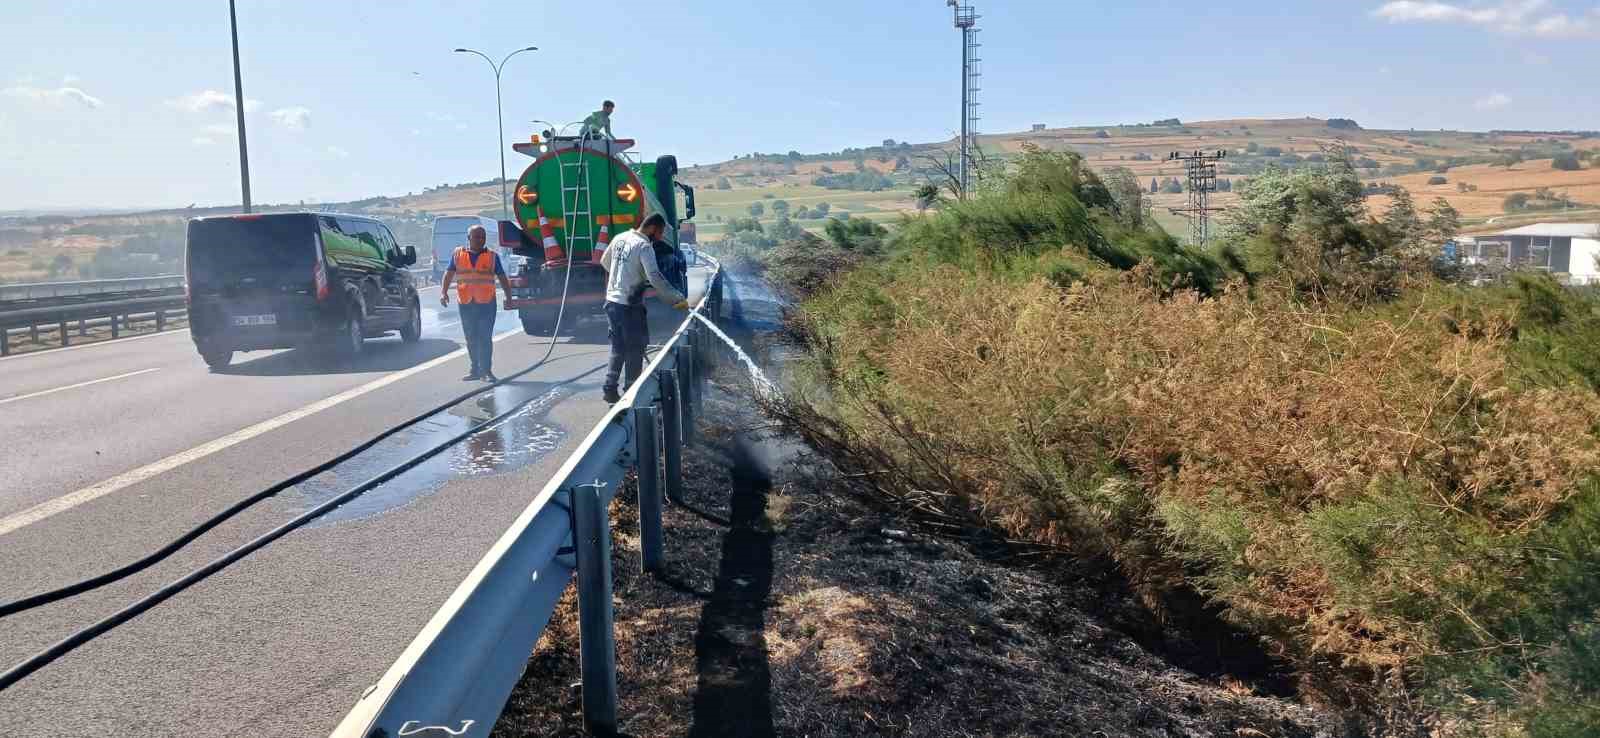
[(611, 396), (472, 376), (490, 377)]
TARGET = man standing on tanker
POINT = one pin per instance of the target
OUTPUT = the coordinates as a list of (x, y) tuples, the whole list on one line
[(475, 268), (598, 124), (630, 263)]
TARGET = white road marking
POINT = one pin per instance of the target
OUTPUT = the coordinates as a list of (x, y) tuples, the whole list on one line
[(68, 501), (42, 393)]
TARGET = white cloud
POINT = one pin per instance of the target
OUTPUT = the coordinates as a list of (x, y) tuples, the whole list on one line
[(461, 126), (416, 132), (207, 101), (201, 141), (296, 118), (219, 130), (338, 153), (53, 95), (1493, 101), (1529, 17), (70, 80), (444, 117)]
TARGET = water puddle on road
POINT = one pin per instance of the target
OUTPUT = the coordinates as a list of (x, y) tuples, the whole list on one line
[(510, 443)]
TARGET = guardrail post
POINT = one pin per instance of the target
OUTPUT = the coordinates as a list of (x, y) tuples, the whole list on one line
[(83, 326), (591, 537), (672, 434), (686, 372), (63, 328), (161, 319), (33, 333), (113, 325), (651, 538), (5, 341)]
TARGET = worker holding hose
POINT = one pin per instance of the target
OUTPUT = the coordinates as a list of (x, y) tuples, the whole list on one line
[(630, 263), (475, 268)]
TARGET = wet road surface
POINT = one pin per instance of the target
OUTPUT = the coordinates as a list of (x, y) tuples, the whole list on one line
[(285, 641)]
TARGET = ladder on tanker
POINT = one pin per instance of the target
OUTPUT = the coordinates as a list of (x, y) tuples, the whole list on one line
[(581, 210)]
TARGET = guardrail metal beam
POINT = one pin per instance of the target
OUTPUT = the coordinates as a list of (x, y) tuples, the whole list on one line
[(458, 672)]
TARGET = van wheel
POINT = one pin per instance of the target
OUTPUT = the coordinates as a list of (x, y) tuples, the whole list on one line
[(351, 338), (411, 332), (217, 359)]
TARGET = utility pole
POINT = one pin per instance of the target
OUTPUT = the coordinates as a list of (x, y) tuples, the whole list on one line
[(966, 19), (1202, 170), (238, 107), (499, 120)]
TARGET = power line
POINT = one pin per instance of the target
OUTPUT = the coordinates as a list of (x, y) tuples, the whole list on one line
[(1202, 170)]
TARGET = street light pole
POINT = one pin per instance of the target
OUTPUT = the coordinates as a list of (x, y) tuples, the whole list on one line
[(238, 105), (499, 119)]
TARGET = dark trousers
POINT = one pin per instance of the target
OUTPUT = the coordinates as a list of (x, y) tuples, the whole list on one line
[(477, 324), (630, 334)]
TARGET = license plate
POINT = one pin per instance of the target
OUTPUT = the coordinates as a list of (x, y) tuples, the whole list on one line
[(268, 319)]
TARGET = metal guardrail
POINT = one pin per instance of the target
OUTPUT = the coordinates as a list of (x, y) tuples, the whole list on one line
[(56, 290), (455, 676), (60, 319)]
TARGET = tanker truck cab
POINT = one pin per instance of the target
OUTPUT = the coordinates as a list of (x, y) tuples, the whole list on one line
[(570, 202), (318, 281)]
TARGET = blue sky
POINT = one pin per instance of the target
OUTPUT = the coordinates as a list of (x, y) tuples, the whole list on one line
[(116, 104)]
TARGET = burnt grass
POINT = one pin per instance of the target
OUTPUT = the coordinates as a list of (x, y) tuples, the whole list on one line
[(793, 605)]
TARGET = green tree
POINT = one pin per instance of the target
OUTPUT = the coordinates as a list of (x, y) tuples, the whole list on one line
[(724, 184), (1567, 162), (1444, 221), (1403, 221), (1131, 209), (780, 207), (822, 209), (756, 209), (856, 234), (784, 229)]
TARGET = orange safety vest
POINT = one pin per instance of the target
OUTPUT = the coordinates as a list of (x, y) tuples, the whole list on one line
[(474, 277)]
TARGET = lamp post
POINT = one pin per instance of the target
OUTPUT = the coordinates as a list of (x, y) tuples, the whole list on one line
[(238, 107), (499, 119)]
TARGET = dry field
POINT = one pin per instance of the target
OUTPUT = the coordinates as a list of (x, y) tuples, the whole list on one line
[(1494, 183)]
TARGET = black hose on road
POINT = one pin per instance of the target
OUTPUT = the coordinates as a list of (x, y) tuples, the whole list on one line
[(72, 642), (92, 583)]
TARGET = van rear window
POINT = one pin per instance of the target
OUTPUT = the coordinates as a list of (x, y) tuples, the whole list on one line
[(225, 250)]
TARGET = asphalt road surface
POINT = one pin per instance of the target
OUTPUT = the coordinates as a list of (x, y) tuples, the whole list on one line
[(113, 449)]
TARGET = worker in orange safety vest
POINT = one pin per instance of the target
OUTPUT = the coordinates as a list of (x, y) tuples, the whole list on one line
[(474, 269)]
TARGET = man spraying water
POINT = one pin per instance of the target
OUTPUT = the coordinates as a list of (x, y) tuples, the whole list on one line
[(630, 263)]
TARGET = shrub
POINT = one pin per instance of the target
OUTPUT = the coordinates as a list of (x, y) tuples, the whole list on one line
[(1407, 502), (1437, 180), (1566, 163)]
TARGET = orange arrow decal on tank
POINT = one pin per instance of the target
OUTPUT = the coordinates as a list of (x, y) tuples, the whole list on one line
[(628, 192), (525, 195)]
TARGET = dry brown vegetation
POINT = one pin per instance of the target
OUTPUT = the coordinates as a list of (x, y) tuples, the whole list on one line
[(864, 627), (1390, 480)]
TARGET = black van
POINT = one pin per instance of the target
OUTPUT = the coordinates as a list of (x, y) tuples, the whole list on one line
[(287, 280)]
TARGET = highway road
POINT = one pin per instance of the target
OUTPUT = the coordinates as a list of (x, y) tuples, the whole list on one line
[(112, 449)]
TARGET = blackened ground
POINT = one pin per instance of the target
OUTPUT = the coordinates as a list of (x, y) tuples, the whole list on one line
[(794, 608)]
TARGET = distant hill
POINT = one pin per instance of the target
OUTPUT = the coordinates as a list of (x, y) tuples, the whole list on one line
[(1480, 171)]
